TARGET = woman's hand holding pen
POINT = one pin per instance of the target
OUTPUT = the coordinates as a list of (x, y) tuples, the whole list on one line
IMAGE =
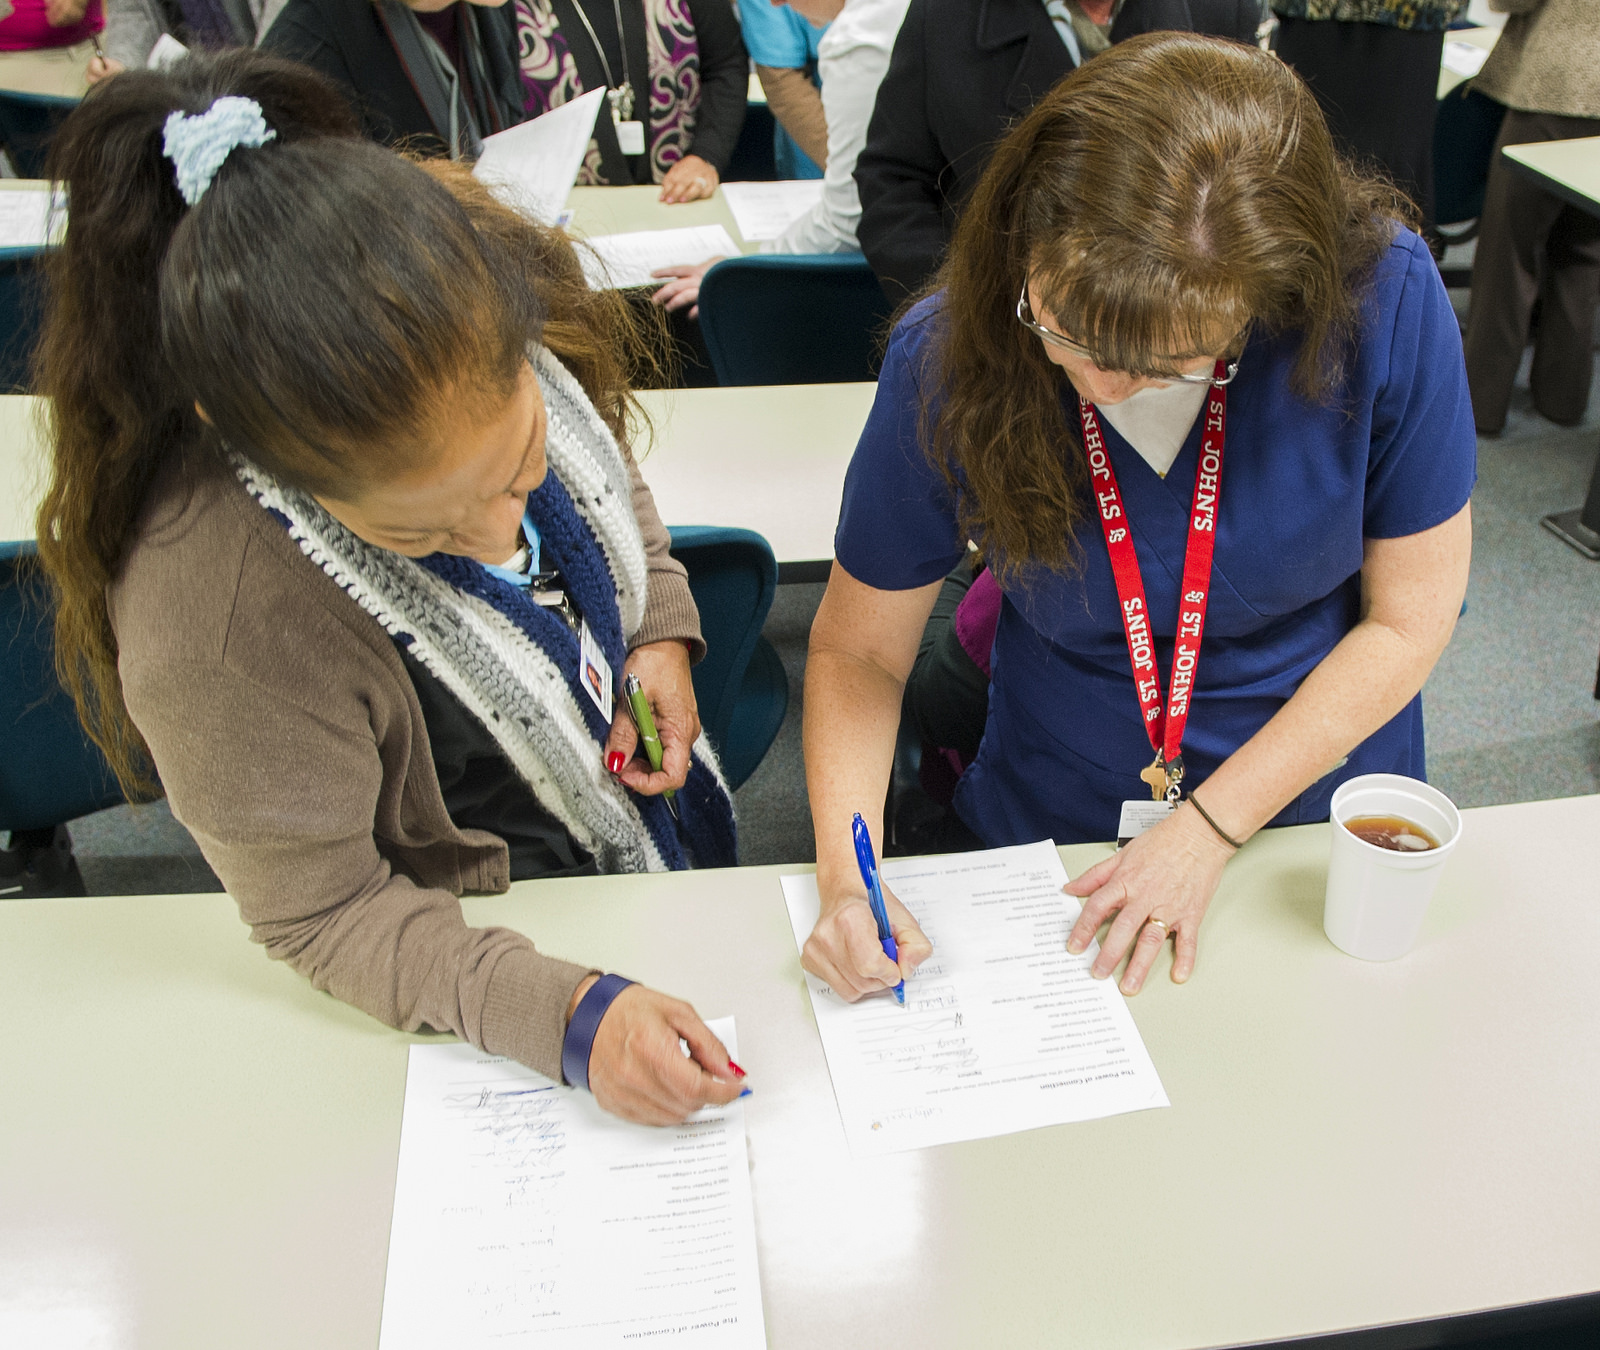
[(663, 670), (844, 950), (1168, 874), (637, 1068)]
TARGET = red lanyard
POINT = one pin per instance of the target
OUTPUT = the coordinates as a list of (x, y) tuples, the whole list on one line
[(1165, 730)]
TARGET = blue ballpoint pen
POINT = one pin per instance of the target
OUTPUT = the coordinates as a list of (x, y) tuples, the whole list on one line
[(868, 863)]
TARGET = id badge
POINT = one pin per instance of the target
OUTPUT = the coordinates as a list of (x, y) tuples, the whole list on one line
[(594, 671), (630, 137), (1137, 817)]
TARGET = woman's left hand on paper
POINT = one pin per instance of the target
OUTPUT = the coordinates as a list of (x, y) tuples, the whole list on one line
[(689, 180), (1168, 873), (663, 670)]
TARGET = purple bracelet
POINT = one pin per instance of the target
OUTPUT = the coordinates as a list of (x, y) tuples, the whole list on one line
[(578, 1044)]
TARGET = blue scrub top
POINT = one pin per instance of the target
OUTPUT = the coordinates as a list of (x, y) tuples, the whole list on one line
[(777, 36), (1303, 485)]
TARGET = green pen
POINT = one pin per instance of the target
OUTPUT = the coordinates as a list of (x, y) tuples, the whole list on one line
[(639, 707)]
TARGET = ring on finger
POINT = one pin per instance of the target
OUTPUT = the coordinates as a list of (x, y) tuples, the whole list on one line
[(1162, 924)]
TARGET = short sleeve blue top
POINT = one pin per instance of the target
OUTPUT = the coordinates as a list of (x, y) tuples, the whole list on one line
[(1303, 486), (777, 36)]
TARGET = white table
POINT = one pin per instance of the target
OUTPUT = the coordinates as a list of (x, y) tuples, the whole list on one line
[(770, 458), (623, 210), (198, 1150), (57, 71)]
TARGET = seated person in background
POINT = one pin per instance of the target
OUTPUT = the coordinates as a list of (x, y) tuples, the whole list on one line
[(1194, 387), (1374, 67), (677, 76), (339, 478), (32, 24), (961, 73), (1532, 245), (854, 56), (133, 27), (437, 75), (783, 45)]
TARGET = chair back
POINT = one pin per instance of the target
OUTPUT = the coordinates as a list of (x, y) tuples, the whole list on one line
[(50, 772), (27, 122), (1464, 133), (741, 686), (811, 318), (19, 317)]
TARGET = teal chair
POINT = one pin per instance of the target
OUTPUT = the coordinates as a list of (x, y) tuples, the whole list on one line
[(19, 316), (50, 772), (27, 122), (741, 686), (809, 318)]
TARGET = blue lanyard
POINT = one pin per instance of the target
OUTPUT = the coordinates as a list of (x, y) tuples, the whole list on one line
[(530, 534)]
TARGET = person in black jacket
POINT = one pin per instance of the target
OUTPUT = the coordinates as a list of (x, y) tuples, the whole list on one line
[(438, 78), (961, 73)]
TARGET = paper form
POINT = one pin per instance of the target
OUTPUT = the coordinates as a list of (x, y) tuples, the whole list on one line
[(533, 165), (524, 1216), (26, 220), (1002, 1030), (622, 260), (763, 211)]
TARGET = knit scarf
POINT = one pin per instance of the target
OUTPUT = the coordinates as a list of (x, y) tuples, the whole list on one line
[(550, 78), (514, 664)]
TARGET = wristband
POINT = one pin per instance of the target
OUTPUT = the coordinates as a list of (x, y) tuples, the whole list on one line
[(1206, 816), (578, 1043)]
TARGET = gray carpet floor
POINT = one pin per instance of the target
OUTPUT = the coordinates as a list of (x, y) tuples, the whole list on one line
[(1510, 711)]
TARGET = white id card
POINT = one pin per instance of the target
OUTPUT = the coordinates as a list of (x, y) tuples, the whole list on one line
[(594, 671), (630, 137), (1137, 817)]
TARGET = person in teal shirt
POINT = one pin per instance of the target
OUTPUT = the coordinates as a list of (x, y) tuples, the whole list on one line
[(783, 45)]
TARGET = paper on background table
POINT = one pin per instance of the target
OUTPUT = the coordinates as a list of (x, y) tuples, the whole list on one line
[(763, 211), (525, 1216), (25, 218), (1002, 1030), (622, 260), (534, 164), (1465, 58)]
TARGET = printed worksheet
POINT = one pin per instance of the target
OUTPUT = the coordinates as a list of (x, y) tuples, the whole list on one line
[(763, 211), (533, 165), (1001, 1030), (623, 260), (524, 1216)]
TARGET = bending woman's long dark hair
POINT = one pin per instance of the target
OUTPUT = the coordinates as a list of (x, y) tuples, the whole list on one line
[(325, 302), (1172, 188)]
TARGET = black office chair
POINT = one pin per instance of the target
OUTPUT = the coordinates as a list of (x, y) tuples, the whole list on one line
[(19, 316), (1464, 133), (27, 122)]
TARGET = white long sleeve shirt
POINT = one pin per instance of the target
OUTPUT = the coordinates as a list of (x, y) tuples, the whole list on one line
[(851, 61)]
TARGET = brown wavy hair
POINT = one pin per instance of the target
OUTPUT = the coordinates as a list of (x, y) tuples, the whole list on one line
[(1172, 188), (325, 302)]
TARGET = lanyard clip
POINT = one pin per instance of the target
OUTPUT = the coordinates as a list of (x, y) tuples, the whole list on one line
[(1174, 772)]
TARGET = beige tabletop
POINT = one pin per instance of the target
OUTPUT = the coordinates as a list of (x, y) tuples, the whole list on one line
[(770, 458), (197, 1149), (623, 210), (21, 464), (1569, 168), (1477, 37), (50, 70)]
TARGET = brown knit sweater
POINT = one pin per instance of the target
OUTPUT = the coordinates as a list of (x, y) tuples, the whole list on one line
[(290, 742), (1547, 59)]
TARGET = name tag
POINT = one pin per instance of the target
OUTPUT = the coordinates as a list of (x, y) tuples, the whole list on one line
[(1137, 817), (630, 137), (594, 671)]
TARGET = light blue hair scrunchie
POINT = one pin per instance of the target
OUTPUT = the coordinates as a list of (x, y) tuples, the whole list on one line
[(199, 143)]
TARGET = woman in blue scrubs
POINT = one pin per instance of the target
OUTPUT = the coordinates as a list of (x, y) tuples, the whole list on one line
[(1225, 425)]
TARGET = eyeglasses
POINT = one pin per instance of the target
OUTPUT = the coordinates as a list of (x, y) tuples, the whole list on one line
[(1055, 339)]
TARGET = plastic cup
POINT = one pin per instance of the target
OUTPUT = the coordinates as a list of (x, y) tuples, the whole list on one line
[(1378, 897)]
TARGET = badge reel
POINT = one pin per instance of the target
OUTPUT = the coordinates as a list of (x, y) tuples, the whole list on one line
[(630, 133)]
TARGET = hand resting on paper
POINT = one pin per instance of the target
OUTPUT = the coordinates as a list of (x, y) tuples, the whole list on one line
[(663, 670), (685, 290), (1169, 872), (844, 950), (637, 1068)]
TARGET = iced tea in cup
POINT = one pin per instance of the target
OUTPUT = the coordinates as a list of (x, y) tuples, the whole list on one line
[(1391, 837)]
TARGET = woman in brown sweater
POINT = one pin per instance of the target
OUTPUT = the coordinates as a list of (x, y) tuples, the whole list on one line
[(311, 568)]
